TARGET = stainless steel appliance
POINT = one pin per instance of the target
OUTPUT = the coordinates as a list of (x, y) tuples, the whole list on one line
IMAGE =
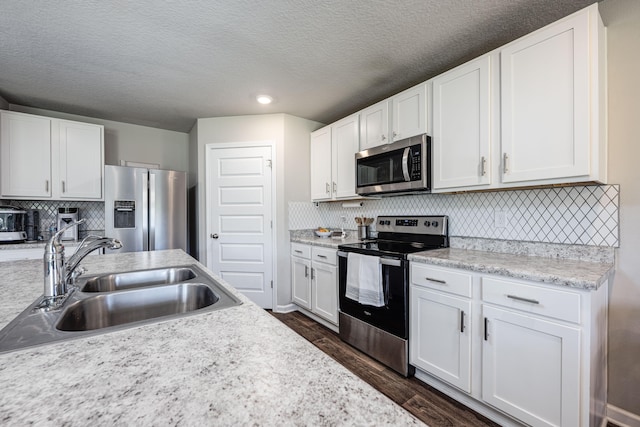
[(68, 216), (401, 167), (383, 332), (146, 209), (12, 224)]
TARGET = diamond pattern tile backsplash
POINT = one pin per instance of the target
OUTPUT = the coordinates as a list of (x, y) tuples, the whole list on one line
[(93, 212), (584, 215)]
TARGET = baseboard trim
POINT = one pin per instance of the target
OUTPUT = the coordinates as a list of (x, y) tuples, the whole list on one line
[(621, 417), (285, 308)]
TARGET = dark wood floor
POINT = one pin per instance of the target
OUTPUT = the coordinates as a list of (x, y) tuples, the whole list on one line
[(424, 402)]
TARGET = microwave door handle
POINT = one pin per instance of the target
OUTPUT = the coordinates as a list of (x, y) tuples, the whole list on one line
[(405, 164)]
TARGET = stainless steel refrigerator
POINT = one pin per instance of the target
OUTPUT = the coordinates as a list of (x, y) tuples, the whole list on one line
[(146, 208)]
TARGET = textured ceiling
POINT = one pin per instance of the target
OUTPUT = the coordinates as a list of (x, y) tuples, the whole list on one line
[(166, 63)]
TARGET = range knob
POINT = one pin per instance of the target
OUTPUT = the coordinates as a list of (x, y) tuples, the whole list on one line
[(435, 223), (427, 223)]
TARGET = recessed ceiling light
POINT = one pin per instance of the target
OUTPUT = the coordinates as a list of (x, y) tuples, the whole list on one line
[(264, 99)]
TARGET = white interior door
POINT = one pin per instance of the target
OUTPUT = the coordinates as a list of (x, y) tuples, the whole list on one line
[(239, 218)]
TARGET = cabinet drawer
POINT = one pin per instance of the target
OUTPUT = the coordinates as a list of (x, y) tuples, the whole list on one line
[(300, 250), (458, 283), (325, 255), (556, 303)]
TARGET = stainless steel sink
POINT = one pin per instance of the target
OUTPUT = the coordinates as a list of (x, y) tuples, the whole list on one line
[(119, 308), (136, 279), (140, 297)]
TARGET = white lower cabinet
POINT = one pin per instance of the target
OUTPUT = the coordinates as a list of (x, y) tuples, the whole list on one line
[(530, 368), (314, 279), (516, 351), (439, 336)]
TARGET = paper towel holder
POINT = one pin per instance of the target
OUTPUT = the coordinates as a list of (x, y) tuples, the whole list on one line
[(352, 204)]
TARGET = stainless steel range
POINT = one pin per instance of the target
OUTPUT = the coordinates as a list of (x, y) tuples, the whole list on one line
[(374, 286)]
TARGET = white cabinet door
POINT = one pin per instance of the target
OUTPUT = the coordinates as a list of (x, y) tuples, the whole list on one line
[(325, 291), (410, 112), (345, 144), (374, 125), (25, 153), (440, 336), (301, 281), (81, 160), (461, 126), (545, 103), (320, 163), (531, 368)]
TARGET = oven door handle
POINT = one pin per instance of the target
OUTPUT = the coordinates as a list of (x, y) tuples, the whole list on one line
[(391, 262), (383, 261)]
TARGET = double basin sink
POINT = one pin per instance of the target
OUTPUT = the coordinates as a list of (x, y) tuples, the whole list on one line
[(109, 302)]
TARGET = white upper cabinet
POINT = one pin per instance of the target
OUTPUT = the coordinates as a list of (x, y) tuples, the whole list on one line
[(321, 164), (374, 125), (81, 160), (333, 150), (50, 159), (409, 116), (25, 153), (461, 126), (345, 143), (552, 105)]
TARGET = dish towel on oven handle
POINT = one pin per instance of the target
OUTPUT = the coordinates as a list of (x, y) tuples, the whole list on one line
[(364, 283)]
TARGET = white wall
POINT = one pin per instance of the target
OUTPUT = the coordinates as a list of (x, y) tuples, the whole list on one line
[(124, 141), (291, 137), (622, 18)]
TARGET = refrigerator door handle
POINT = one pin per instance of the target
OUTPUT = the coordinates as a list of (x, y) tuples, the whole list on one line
[(152, 211), (145, 211)]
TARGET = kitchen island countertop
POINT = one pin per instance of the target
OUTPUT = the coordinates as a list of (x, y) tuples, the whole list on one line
[(236, 366), (555, 271)]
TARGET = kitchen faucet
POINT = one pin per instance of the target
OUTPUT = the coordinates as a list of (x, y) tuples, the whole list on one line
[(57, 274)]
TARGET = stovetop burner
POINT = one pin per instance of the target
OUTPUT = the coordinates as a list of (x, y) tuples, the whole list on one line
[(399, 236)]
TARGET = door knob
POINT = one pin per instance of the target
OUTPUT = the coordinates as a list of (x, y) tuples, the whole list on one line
[(213, 236)]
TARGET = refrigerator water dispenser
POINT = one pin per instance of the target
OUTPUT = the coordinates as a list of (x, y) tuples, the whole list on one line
[(124, 214)]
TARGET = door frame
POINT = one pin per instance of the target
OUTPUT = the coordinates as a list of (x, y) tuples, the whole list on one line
[(207, 208)]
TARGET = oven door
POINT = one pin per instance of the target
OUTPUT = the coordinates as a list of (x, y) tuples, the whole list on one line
[(393, 317), (398, 167)]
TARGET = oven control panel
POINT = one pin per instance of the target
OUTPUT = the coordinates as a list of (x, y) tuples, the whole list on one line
[(437, 225)]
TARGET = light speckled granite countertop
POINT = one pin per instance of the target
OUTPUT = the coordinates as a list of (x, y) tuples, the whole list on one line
[(238, 366), (555, 271), (307, 237)]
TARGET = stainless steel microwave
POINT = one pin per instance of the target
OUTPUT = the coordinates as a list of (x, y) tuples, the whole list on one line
[(403, 166)]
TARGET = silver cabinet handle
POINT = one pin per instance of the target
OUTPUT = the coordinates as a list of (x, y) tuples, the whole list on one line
[(486, 329), (312, 276), (395, 134), (442, 282), (306, 271), (64, 190), (322, 256), (297, 251), (483, 167), (505, 158), (517, 298), (326, 186), (46, 186), (214, 236), (461, 321), (335, 187), (383, 137)]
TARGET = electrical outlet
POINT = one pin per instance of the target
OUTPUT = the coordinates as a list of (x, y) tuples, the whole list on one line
[(500, 219)]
